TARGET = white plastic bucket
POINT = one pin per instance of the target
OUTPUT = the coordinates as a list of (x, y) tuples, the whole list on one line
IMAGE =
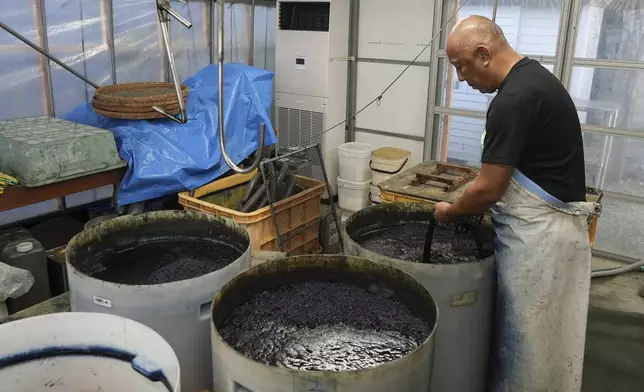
[(353, 196), (386, 162), (69, 352), (374, 194), (354, 161)]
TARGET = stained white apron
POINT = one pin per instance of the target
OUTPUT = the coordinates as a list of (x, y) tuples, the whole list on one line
[(543, 263)]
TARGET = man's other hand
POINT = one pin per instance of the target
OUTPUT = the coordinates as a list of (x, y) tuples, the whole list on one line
[(443, 212)]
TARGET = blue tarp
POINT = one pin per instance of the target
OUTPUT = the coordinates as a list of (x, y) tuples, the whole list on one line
[(165, 157)]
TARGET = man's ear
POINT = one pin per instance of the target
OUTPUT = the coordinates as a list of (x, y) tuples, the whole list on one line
[(484, 54)]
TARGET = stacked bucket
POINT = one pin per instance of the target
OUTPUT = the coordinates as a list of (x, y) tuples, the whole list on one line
[(385, 162), (362, 169), (354, 176)]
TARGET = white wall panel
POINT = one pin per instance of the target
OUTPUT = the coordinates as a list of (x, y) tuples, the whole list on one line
[(395, 30), (403, 108)]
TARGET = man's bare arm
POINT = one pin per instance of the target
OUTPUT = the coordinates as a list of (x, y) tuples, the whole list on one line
[(481, 194)]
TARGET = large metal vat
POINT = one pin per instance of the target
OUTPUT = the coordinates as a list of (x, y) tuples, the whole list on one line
[(235, 372), (465, 294), (178, 310)]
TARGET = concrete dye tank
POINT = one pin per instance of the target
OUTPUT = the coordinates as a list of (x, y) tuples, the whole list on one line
[(234, 371), (465, 294), (110, 272)]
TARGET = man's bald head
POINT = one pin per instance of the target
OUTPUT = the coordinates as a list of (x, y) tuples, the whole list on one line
[(476, 30), (481, 54)]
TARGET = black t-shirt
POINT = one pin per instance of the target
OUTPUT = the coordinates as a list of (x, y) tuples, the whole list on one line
[(532, 124)]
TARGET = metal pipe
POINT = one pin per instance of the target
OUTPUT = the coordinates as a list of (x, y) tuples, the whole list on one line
[(46, 54), (352, 80), (494, 9), (164, 21), (40, 21), (262, 126), (251, 49), (107, 30), (176, 15)]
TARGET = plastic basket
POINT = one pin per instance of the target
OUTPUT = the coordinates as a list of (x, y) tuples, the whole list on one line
[(300, 211)]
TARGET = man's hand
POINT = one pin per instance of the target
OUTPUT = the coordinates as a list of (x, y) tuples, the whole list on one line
[(443, 212), (481, 194)]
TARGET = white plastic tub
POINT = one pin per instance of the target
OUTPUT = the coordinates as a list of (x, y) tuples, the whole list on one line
[(69, 352), (353, 196), (374, 194), (354, 161), (386, 162)]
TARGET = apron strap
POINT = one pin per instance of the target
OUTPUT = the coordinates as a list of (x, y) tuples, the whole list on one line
[(574, 208)]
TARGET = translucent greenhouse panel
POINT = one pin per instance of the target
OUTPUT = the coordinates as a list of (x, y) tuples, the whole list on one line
[(77, 33), (21, 68), (191, 46), (236, 33), (265, 26), (140, 55)]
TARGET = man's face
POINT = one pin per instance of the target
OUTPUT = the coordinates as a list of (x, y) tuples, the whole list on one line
[(473, 67)]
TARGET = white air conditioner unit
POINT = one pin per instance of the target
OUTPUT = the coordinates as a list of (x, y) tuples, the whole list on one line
[(311, 49)]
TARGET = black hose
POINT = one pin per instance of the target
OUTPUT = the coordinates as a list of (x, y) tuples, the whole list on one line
[(254, 199), (272, 182), (257, 178), (263, 202), (282, 172), (290, 185)]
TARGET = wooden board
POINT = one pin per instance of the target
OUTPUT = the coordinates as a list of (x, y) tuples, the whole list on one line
[(18, 195), (416, 182)]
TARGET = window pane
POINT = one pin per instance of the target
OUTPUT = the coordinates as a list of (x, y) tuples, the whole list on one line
[(460, 140), (531, 27), (621, 228), (609, 97), (611, 29), (461, 95), (614, 163), (20, 72)]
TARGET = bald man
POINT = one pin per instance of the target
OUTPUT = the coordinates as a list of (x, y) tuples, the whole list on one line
[(532, 177)]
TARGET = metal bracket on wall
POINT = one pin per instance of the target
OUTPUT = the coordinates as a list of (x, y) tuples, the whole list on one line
[(164, 11)]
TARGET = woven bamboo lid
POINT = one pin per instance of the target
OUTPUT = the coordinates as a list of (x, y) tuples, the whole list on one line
[(169, 106), (139, 93), (148, 115)]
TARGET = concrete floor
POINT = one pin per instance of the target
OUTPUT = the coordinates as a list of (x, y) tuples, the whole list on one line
[(614, 358)]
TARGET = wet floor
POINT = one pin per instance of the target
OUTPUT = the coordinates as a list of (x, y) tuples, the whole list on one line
[(159, 261), (407, 242), (324, 326)]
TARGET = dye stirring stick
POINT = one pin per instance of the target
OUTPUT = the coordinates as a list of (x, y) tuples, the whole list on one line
[(428, 241)]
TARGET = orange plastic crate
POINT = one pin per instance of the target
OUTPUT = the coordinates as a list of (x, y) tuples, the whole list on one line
[(300, 211)]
